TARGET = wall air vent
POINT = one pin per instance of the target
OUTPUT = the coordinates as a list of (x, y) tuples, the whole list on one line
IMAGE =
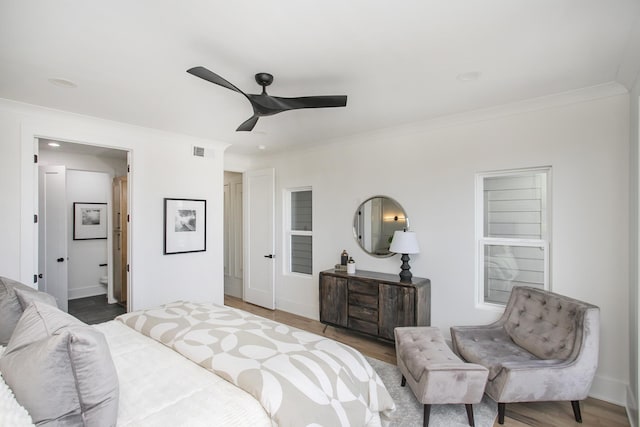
[(198, 151)]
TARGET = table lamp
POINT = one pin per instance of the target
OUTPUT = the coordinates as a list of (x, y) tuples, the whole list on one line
[(405, 242)]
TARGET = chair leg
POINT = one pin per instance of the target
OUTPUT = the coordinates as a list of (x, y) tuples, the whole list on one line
[(470, 414), (427, 411), (403, 382), (575, 404), (501, 408)]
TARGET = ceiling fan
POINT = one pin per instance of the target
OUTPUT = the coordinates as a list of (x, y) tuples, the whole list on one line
[(265, 104)]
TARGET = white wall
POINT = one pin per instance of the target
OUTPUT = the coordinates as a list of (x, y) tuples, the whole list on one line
[(85, 256), (162, 166), (430, 170)]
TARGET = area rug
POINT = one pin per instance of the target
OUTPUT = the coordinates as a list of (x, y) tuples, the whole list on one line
[(409, 412)]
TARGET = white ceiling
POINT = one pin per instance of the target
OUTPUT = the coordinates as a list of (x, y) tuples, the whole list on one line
[(397, 61)]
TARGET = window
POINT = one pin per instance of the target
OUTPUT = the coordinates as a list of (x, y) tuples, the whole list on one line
[(512, 227), (299, 231)]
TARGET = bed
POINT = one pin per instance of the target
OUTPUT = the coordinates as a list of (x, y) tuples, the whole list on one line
[(158, 387), (200, 364)]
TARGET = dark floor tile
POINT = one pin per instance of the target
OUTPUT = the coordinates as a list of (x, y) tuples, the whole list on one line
[(95, 309)]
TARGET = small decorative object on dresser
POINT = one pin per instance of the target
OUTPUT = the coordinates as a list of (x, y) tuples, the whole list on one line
[(373, 303), (351, 266), (344, 257)]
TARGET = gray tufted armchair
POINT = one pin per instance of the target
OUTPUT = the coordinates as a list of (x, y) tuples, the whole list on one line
[(543, 348)]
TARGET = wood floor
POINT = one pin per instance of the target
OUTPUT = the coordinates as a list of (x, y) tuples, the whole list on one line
[(548, 414)]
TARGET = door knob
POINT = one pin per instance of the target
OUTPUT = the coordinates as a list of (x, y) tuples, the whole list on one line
[(270, 256), (60, 260)]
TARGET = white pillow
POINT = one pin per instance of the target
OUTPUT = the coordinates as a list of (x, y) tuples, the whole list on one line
[(12, 414)]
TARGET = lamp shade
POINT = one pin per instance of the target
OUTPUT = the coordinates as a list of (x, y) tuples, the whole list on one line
[(404, 242)]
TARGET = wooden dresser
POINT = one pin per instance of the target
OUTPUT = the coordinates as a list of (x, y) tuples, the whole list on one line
[(373, 303)]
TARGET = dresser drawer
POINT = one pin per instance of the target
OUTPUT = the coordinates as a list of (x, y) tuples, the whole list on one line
[(363, 326), (362, 287), (364, 313), (363, 300)]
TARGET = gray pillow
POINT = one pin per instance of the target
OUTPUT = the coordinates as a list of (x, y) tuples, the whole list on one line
[(27, 297), (39, 321), (61, 370), (10, 309)]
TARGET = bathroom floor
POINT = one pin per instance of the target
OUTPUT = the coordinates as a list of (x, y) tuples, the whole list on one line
[(92, 310)]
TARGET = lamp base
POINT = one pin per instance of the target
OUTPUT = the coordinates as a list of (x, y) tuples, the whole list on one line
[(405, 274)]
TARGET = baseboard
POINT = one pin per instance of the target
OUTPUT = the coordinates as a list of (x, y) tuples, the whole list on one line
[(609, 389), (297, 309), (632, 408), (88, 291)]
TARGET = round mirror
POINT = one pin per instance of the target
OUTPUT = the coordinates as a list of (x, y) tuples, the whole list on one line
[(374, 223)]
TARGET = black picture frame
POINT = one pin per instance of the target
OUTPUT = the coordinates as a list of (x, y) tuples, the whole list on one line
[(89, 221), (185, 226)]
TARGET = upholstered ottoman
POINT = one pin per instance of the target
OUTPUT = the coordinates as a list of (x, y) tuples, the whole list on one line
[(434, 373)]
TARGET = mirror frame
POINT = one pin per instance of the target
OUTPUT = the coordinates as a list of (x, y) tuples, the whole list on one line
[(355, 217)]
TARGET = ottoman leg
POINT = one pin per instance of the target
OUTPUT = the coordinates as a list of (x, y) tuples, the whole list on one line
[(427, 411), (470, 414), (501, 410), (576, 410), (403, 382)]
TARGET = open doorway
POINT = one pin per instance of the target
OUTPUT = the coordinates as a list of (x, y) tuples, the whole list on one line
[(82, 228), (233, 268)]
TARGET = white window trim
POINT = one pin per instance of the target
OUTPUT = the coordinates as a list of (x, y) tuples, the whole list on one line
[(286, 262), (482, 241)]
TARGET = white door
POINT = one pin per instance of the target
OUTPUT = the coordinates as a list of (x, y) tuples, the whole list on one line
[(259, 199), (53, 233)]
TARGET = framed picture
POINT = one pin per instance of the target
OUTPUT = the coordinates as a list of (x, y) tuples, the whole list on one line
[(89, 221), (185, 226)]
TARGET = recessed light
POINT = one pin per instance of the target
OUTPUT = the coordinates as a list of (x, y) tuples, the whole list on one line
[(262, 147), (471, 76), (63, 83), (53, 144)]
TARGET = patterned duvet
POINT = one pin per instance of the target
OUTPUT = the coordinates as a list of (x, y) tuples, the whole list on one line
[(299, 378)]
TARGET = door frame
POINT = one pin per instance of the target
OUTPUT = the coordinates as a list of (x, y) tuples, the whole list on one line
[(30, 134)]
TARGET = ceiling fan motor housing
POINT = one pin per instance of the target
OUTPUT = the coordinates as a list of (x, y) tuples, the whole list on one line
[(264, 79)]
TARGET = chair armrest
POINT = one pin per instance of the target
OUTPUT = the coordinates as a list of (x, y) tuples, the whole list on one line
[(550, 380)]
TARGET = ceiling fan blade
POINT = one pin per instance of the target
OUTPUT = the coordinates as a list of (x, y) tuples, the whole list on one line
[(248, 125), (312, 102), (212, 77)]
